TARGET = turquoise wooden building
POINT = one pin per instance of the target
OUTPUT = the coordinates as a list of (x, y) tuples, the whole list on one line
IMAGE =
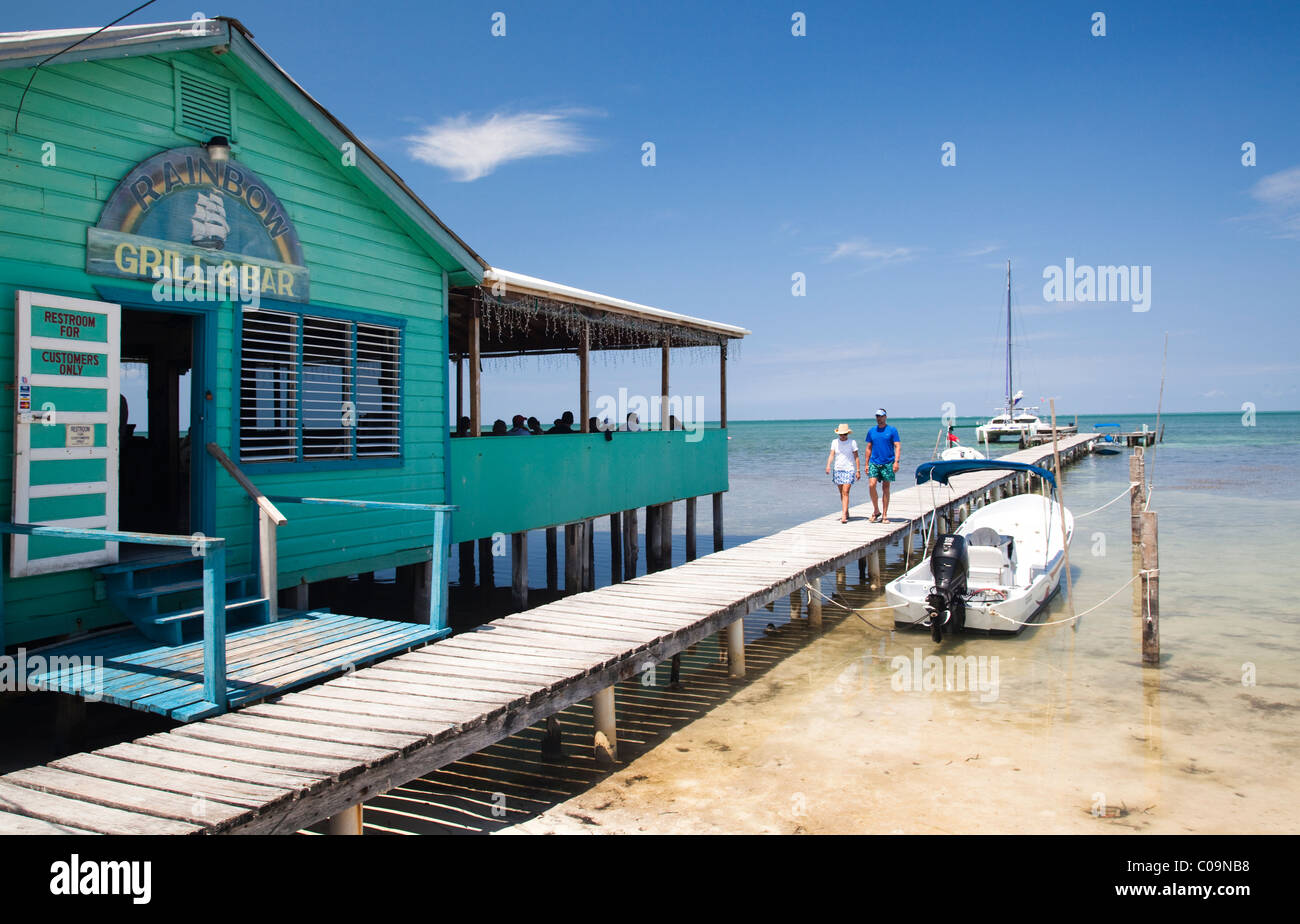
[(229, 357), (223, 305)]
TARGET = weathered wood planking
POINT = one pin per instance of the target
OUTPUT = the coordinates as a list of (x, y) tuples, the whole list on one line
[(280, 765)]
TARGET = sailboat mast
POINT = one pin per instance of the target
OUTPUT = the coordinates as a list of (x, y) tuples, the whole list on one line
[(1010, 414)]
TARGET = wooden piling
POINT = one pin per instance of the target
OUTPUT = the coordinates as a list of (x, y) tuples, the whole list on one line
[(862, 570), (575, 545), (348, 821), (873, 569), (519, 570), (814, 606), (666, 536), (630, 550), (796, 605), (1150, 589), (615, 548), (1136, 493), (736, 649), (653, 519), (690, 529), (717, 522), (589, 557), (486, 567), (552, 560), (606, 729)]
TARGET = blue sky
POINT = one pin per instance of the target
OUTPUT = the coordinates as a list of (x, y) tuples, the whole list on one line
[(820, 154)]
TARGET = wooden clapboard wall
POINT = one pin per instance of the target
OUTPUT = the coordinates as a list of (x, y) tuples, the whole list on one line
[(104, 117)]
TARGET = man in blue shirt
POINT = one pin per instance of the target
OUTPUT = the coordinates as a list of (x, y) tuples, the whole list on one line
[(882, 462)]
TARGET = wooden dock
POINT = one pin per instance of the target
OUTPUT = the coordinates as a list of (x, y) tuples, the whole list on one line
[(126, 669), (279, 766)]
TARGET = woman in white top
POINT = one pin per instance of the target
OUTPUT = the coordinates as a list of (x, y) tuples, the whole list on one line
[(847, 466)]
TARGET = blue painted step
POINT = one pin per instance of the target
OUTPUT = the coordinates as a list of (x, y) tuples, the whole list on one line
[(163, 596)]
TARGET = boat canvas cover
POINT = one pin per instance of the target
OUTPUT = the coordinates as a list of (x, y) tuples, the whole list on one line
[(943, 470)]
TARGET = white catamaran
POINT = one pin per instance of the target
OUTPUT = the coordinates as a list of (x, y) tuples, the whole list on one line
[(1011, 422)]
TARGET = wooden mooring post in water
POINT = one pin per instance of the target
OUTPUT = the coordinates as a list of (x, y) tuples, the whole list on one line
[(1150, 589), (1137, 492)]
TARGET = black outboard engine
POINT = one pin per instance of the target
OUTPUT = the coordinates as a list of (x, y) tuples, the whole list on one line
[(946, 601)]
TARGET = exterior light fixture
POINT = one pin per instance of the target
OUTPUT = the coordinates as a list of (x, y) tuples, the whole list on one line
[(218, 148)]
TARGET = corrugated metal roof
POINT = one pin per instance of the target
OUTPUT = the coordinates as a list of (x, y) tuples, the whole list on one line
[(531, 285)]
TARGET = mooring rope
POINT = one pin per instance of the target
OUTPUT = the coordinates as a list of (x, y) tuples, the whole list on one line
[(1123, 494), (1056, 622), (1077, 616)]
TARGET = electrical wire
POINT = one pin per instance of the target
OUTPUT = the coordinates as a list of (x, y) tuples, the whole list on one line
[(86, 38)]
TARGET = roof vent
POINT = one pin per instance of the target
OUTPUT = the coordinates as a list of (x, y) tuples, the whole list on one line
[(204, 106)]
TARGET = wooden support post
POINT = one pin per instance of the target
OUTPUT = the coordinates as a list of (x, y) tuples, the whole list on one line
[(1150, 589), (606, 733), (722, 385), (584, 376), (475, 418), (663, 386), (630, 550), (348, 821), (717, 522), (589, 558), (736, 649), (796, 605), (268, 569), (460, 391), (553, 740), (1136, 493), (880, 565), (873, 568), (862, 570), (814, 606), (666, 537), (466, 570), (487, 578), (302, 596), (519, 570), (615, 548), (675, 673), (841, 579), (690, 529), (552, 560), (574, 544), (652, 520)]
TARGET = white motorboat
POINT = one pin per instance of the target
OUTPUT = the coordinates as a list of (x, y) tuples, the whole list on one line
[(996, 572), (961, 452)]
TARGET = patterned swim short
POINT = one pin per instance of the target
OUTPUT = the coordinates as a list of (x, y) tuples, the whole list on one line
[(842, 476), (881, 470)]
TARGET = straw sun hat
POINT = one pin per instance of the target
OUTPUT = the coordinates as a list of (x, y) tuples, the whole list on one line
[(843, 428)]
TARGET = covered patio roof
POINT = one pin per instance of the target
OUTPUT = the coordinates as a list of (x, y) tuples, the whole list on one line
[(523, 315)]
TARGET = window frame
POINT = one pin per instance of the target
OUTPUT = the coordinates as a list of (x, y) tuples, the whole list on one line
[(392, 322)]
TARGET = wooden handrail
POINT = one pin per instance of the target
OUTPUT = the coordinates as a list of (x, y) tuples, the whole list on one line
[(258, 497)]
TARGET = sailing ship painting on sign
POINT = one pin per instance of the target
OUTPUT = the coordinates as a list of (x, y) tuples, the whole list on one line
[(209, 222)]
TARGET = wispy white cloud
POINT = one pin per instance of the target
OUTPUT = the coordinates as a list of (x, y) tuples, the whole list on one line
[(1279, 194), (471, 149), (870, 256), (982, 250)]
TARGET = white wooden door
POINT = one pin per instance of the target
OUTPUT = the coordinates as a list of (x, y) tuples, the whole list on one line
[(66, 357)]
